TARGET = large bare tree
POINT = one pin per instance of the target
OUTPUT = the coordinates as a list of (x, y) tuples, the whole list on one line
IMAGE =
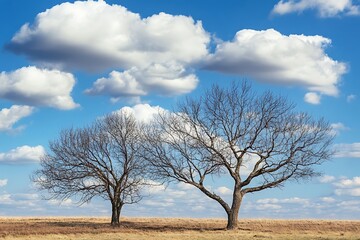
[(99, 160), (229, 131)]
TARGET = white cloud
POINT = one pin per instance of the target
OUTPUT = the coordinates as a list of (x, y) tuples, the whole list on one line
[(38, 87), (281, 206), (153, 187), (348, 187), (177, 199), (27, 196), (19, 201), (30, 203), (338, 127), (3, 182), (117, 84), (355, 192), (327, 179), (143, 112), (66, 202), (185, 186), (350, 98), (348, 183), (86, 182), (117, 37), (312, 98), (294, 200), (158, 54), (343, 186), (164, 79), (344, 150), (224, 191), (268, 207), (269, 56), (9, 116), (249, 162), (325, 8), (164, 203), (352, 205), (178, 193), (198, 208), (155, 53), (328, 200), (5, 198), (23, 154)]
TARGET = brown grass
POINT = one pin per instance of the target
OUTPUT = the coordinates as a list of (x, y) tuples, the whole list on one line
[(174, 229)]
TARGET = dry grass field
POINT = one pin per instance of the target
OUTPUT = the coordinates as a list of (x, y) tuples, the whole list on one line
[(174, 229)]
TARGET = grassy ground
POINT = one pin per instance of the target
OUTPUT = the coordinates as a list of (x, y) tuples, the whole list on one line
[(174, 229)]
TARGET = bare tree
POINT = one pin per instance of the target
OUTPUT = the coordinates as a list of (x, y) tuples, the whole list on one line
[(235, 131), (99, 160)]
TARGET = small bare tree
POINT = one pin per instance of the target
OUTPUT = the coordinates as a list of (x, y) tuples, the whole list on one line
[(227, 130), (100, 160)]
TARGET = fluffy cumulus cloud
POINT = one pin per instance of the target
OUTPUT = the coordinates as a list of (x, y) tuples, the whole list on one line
[(158, 54), (117, 37), (224, 190), (143, 112), (23, 154), (163, 79), (348, 183), (327, 179), (351, 150), (269, 56), (38, 87), (349, 187), (325, 8), (9, 116), (343, 186), (154, 52), (312, 98)]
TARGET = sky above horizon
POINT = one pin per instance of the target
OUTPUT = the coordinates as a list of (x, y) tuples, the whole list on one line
[(65, 63)]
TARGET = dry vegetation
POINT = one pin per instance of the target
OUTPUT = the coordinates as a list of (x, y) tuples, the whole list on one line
[(174, 229)]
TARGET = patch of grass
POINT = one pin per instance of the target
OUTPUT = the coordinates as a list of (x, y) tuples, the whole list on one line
[(174, 229)]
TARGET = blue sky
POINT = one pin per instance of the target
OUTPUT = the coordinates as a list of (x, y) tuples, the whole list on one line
[(63, 64)]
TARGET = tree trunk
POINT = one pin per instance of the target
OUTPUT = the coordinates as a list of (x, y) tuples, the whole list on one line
[(116, 210), (232, 219), (233, 214)]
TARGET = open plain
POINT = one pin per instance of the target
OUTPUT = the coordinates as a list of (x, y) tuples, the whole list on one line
[(174, 229)]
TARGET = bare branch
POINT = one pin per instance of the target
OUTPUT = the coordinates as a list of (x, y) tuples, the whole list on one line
[(219, 133), (99, 160)]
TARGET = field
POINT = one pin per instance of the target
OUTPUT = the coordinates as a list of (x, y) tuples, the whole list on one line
[(174, 229)]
